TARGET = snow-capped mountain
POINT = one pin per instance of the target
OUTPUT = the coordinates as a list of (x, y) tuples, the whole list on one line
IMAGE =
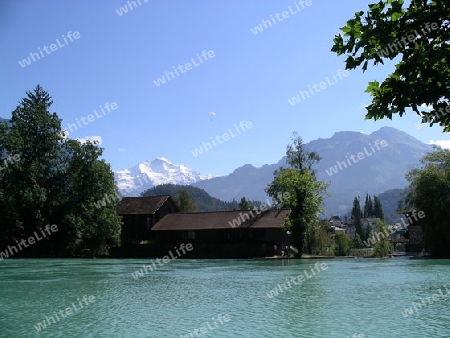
[(145, 175)]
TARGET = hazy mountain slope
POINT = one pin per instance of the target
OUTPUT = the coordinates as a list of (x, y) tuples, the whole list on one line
[(389, 200), (380, 169)]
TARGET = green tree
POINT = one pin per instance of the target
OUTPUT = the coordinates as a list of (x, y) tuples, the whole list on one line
[(429, 191), (299, 157), (356, 218), (382, 246), (34, 136), (83, 225), (368, 207), (367, 231), (321, 239), (343, 244), (54, 182), (185, 201), (297, 188), (418, 37), (357, 242), (244, 204), (378, 208)]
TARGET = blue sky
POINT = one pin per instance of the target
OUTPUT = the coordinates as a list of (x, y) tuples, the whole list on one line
[(245, 77)]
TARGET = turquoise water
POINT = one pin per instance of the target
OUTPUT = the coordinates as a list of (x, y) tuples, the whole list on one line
[(225, 298)]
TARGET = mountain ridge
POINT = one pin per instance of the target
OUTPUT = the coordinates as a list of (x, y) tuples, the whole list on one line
[(377, 170)]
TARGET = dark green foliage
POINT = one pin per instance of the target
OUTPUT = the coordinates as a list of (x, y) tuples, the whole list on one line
[(422, 73), (244, 204), (373, 209), (203, 201), (343, 244), (430, 192), (320, 239), (378, 208), (89, 179), (356, 218), (55, 182), (185, 201), (357, 242), (368, 207)]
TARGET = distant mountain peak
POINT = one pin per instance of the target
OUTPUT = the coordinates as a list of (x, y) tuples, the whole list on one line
[(394, 135), (150, 173), (163, 159), (346, 134)]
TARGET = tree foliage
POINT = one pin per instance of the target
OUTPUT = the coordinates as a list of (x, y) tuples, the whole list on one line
[(343, 244), (321, 239), (373, 208), (56, 181), (244, 204), (356, 219), (203, 201), (418, 36), (368, 206), (382, 247), (378, 208), (357, 242), (429, 191), (302, 192), (185, 201), (298, 157)]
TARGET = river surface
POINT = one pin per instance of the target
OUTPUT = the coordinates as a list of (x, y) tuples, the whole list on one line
[(225, 298)]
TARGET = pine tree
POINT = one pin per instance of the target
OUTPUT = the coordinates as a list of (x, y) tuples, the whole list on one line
[(378, 208), (56, 181), (185, 201), (356, 217), (368, 207), (34, 136)]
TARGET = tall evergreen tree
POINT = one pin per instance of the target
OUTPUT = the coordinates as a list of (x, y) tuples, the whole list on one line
[(378, 208), (34, 135), (356, 217), (56, 181), (368, 207)]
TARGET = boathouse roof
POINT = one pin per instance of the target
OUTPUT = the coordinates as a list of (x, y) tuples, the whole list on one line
[(222, 220), (143, 205)]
